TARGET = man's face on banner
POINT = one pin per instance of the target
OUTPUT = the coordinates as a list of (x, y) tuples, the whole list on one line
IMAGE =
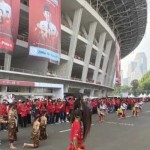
[(47, 16)]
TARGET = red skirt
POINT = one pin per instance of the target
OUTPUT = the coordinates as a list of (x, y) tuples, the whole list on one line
[(71, 147)]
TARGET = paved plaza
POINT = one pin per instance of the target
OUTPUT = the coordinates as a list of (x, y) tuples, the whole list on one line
[(114, 134)]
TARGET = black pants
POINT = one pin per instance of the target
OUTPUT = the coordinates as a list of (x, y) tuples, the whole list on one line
[(19, 119), (28, 118), (23, 121), (51, 118), (3, 126), (57, 117), (64, 118)]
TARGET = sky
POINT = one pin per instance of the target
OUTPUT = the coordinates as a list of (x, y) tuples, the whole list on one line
[(144, 46)]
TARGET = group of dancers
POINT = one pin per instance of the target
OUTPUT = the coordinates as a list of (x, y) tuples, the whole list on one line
[(80, 115), (39, 127), (102, 109), (80, 112)]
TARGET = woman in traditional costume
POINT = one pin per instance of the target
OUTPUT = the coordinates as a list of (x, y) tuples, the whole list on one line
[(12, 126), (35, 134), (43, 124), (81, 123)]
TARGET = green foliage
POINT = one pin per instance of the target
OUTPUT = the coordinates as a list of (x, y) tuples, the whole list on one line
[(144, 83), (134, 87), (137, 87), (134, 84), (125, 88), (117, 90), (121, 89)]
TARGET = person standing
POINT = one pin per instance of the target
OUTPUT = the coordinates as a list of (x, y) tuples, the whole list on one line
[(80, 117), (23, 113), (12, 126), (57, 111)]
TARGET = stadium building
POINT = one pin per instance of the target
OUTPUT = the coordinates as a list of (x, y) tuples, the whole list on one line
[(89, 32)]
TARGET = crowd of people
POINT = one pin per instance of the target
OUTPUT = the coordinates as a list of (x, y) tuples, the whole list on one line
[(119, 105), (49, 111)]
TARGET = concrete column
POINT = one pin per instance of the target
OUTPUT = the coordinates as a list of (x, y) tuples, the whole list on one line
[(111, 62), (92, 93), (107, 52), (73, 42), (4, 89), (112, 77), (7, 62), (82, 90), (87, 57), (66, 88), (112, 73), (100, 94), (45, 68), (109, 73), (3, 92), (99, 55), (58, 93), (104, 94)]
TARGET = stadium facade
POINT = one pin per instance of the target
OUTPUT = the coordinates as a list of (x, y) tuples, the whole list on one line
[(89, 31)]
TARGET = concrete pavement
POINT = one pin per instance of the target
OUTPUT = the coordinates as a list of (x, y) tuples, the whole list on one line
[(132, 133)]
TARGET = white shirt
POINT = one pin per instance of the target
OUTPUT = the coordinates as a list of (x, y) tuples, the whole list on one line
[(44, 25), (124, 106), (137, 105)]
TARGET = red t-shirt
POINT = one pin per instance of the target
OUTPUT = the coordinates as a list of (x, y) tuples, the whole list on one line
[(57, 108), (50, 108), (24, 110), (71, 103), (19, 105)]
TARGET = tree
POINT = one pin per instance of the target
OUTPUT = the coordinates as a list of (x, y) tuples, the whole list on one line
[(134, 87), (121, 89), (117, 90), (144, 83), (125, 88)]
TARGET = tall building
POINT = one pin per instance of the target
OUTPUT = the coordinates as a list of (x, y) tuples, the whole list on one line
[(141, 61), (138, 67), (87, 58)]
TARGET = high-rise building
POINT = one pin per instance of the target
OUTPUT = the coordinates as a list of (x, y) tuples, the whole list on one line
[(137, 68), (141, 61)]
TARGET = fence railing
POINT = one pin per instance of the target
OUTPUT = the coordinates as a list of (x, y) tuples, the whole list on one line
[(49, 73)]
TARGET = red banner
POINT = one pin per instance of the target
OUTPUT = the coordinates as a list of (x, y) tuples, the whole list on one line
[(118, 65), (16, 83), (45, 29), (9, 22)]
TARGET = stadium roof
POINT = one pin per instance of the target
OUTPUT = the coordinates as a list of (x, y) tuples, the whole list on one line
[(127, 18)]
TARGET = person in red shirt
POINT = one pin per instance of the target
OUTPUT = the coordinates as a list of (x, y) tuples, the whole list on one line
[(28, 104), (70, 102), (61, 111), (76, 136), (57, 111), (81, 116), (23, 113), (67, 111), (51, 111), (3, 114)]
